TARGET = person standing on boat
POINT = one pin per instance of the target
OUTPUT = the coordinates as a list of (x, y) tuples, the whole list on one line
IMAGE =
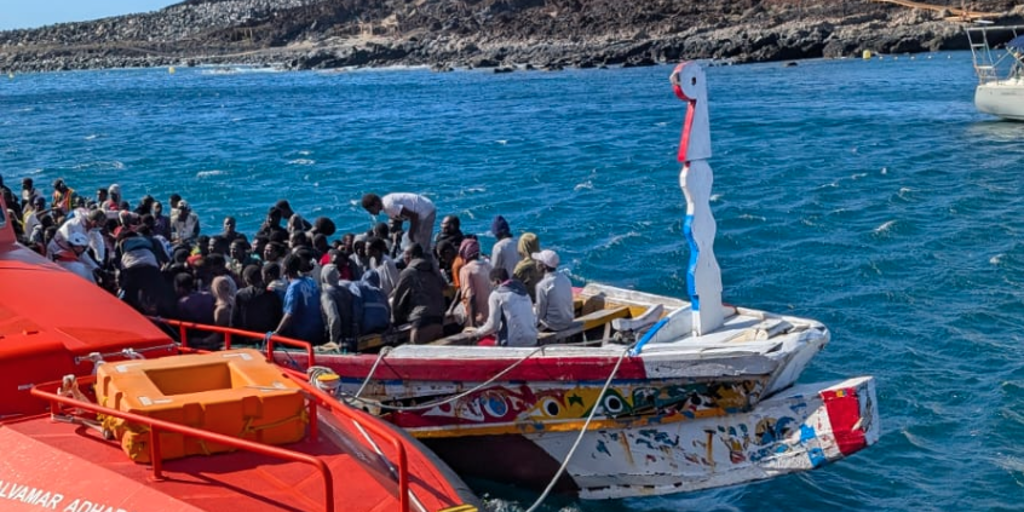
[(32, 214), (301, 318), (503, 254), (88, 224), (161, 224), (256, 308), (240, 257), (185, 226), (230, 234), (64, 197), (29, 193), (377, 250), (419, 297), (451, 232), (13, 205), (419, 210), (527, 269), (113, 202), (510, 315), (554, 294), (272, 223), (474, 277)]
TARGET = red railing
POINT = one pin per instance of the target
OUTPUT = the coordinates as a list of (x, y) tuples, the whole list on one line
[(155, 426), (321, 397), (229, 332), (355, 415)]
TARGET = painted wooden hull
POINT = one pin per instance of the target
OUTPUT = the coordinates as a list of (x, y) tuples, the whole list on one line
[(687, 413), (799, 430), (726, 372)]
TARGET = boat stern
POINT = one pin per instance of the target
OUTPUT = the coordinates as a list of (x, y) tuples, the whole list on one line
[(1004, 99)]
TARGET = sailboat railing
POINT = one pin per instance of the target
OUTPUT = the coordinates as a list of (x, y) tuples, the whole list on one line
[(987, 65)]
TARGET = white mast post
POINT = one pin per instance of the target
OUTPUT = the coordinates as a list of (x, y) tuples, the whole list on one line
[(704, 277)]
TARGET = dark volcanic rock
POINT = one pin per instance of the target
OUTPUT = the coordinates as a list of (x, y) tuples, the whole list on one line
[(550, 34)]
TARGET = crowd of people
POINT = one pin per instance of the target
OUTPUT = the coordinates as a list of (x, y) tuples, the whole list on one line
[(296, 278)]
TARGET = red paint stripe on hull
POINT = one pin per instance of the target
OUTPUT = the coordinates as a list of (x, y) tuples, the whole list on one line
[(534, 369), (843, 406)]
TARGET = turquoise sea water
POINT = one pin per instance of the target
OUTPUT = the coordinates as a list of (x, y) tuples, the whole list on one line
[(868, 195)]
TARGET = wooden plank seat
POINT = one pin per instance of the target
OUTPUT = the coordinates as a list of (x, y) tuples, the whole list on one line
[(599, 318)]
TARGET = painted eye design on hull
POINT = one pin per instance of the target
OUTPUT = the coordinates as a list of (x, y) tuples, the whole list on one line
[(613, 404), (494, 405), (551, 407)]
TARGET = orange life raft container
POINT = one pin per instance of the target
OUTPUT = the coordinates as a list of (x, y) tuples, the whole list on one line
[(235, 392)]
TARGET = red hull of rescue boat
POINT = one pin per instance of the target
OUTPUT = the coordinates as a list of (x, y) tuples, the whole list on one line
[(51, 320)]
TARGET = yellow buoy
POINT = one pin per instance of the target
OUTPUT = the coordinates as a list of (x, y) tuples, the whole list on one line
[(866, 55), (170, 70)]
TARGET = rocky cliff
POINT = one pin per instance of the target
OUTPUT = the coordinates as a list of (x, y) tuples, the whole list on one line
[(305, 34)]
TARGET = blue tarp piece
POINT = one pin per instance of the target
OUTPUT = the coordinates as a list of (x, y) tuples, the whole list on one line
[(1016, 44)]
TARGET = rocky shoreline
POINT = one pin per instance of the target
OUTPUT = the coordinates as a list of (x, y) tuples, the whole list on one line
[(500, 34)]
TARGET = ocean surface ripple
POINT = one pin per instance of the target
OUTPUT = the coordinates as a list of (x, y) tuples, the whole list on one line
[(868, 195)]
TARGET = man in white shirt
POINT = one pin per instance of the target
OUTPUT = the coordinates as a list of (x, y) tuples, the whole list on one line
[(554, 294), (417, 209)]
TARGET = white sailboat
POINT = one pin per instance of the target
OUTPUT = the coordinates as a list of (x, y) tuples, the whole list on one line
[(1000, 90)]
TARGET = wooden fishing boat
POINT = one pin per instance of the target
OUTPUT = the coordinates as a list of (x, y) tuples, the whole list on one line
[(643, 395), (164, 429)]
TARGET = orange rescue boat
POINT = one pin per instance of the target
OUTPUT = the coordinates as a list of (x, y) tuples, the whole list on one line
[(102, 411)]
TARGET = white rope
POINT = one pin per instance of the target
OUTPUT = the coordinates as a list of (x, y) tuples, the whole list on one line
[(586, 425), (450, 399), (380, 357)]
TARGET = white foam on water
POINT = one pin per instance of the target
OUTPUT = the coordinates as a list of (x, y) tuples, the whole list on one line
[(109, 164), (997, 259), (302, 161), (207, 174), (586, 185), (885, 227)]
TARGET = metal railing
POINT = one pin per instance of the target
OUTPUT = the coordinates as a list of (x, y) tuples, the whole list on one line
[(156, 426), (316, 395), (987, 66), (230, 332)]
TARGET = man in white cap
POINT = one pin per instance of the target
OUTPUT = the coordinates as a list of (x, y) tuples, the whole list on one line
[(554, 293), (113, 202), (185, 226)]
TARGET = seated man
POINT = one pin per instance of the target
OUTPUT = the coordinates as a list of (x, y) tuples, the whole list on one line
[(418, 297), (510, 313), (257, 309), (302, 319), (554, 294), (337, 310)]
